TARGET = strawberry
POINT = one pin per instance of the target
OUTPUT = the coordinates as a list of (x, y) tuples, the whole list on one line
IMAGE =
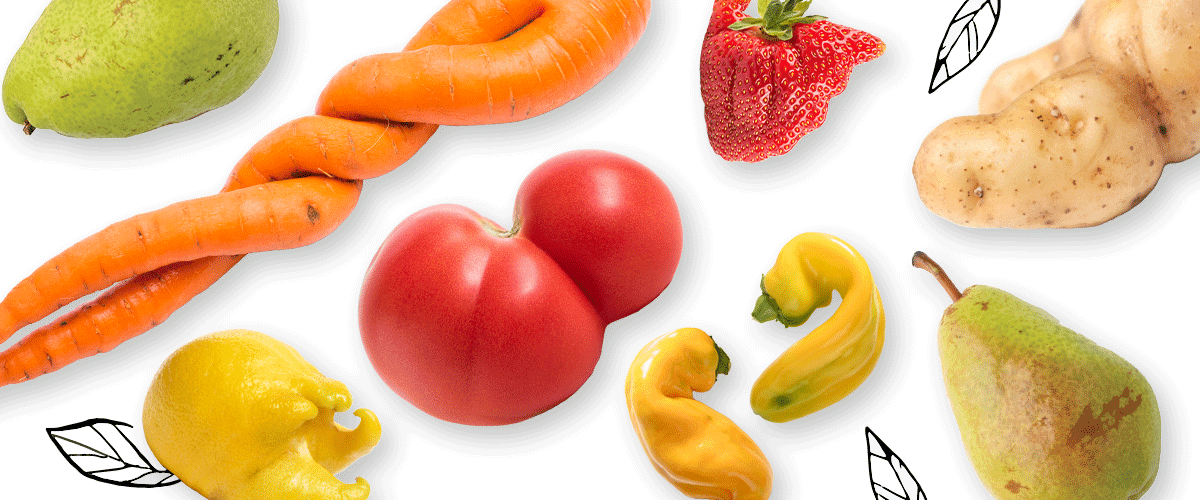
[(766, 82)]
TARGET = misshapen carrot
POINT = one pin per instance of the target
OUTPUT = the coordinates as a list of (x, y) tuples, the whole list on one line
[(276, 215), (506, 50), (540, 54), (121, 312)]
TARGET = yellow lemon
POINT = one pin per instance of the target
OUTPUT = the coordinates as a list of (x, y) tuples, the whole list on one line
[(239, 415)]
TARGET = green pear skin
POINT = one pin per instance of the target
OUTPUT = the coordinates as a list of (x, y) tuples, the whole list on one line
[(116, 68), (1044, 412)]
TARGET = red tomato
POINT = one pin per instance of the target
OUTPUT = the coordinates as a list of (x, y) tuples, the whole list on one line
[(609, 222), (476, 325)]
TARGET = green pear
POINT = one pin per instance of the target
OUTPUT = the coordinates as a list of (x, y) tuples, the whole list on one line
[(1044, 412), (116, 68)]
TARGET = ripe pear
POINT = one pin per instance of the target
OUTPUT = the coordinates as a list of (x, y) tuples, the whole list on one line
[(1044, 412), (116, 68)]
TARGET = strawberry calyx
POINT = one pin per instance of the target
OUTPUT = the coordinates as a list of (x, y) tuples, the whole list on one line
[(778, 18)]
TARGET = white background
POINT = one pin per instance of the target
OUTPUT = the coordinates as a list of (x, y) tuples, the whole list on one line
[(1127, 284)]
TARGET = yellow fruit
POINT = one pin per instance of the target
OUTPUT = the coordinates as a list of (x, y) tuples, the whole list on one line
[(239, 415)]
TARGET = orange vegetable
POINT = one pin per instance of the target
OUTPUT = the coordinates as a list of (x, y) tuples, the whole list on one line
[(474, 62), (506, 61), (271, 216), (119, 314)]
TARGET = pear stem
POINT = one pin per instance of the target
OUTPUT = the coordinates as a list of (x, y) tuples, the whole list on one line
[(28, 128), (923, 261)]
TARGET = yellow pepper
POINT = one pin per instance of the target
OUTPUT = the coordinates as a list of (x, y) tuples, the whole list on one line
[(836, 357), (698, 450)]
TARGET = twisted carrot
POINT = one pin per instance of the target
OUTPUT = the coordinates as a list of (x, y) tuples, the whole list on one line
[(474, 62)]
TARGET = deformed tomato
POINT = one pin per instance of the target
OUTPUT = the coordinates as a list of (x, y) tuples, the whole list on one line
[(478, 325)]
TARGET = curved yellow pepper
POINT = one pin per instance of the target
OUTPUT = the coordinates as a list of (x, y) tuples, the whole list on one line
[(698, 450), (238, 415), (836, 357)]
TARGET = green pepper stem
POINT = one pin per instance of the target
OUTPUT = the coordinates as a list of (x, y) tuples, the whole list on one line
[(723, 362), (764, 309), (767, 309)]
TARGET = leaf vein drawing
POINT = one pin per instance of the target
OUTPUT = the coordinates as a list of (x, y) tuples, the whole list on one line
[(99, 454), (961, 44), (117, 467), (879, 457)]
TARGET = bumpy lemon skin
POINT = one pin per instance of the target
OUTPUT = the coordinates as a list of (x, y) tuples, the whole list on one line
[(239, 415)]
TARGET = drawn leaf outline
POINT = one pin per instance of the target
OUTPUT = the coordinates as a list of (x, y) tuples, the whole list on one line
[(99, 449), (891, 479), (963, 43)]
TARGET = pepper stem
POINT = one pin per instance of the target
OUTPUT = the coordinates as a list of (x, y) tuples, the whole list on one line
[(722, 359), (764, 309), (923, 261)]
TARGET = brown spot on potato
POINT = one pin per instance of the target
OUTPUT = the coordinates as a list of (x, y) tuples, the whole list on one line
[(1138, 199)]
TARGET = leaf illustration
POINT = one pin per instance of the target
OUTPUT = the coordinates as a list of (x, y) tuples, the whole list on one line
[(890, 478), (99, 450), (962, 44)]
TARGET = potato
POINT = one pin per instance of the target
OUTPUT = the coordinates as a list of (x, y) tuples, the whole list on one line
[(1071, 151), (1077, 132)]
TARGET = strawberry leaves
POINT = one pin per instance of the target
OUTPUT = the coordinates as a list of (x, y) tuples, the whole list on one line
[(778, 17), (766, 82)]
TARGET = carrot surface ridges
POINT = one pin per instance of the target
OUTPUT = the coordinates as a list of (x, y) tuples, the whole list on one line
[(474, 62)]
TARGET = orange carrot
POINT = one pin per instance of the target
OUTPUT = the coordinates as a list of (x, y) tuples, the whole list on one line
[(118, 314), (538, 55), (331, 147), (486, 61), (277, 215)]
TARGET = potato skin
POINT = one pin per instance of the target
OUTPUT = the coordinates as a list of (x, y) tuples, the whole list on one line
[(1131, 67), (1073, 151)]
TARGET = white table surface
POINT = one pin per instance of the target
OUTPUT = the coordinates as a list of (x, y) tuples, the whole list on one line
[(1128, 284)]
